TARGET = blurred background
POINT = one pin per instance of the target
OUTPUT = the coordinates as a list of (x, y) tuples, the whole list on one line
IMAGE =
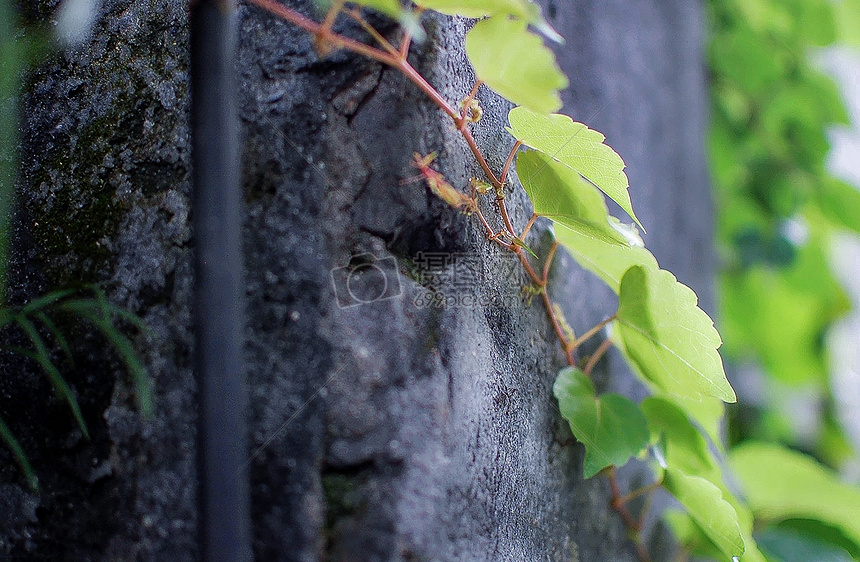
[(784, 151)]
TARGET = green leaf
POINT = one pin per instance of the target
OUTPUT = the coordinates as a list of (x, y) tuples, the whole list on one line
[(610, 426), (696, 540), (781, 484), (705, 411), (6, 316), (408, 19), (821, 532), (684, 448), (100, 312), (744, 58), (521, 9), (847, 19), (789, 546), (105, 309), (780, 314), (670, 340), (58, 335), (839, 202), (391, 8), (560, 194), (607, 261), (515, 63), (690, 534), (517, 242), (705, 504), (45, 301), (11, 65), (576, 146), (816, 24)]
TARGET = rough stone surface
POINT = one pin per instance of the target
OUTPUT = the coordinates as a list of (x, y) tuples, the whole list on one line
[(391, 430)]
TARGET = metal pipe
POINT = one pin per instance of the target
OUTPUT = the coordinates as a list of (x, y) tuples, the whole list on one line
[(219, 290)]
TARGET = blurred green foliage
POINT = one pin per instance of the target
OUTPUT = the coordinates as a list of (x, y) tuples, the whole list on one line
[(778, 209)]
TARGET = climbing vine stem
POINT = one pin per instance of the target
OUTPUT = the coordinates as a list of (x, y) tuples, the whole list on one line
[(592, 332), (634, 526), (508, 163), (326, 39)]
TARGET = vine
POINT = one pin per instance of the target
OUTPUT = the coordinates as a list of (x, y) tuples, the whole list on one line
[(566, 169)]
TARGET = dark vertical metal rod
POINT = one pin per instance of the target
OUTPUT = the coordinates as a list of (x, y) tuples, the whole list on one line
[(219, 290)]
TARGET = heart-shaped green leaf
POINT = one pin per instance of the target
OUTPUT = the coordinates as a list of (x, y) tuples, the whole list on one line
[(560, 194), (610, 426), (607, 261), (522, 9), (574, 145), (670, 340), (515, 63), (705, 504)]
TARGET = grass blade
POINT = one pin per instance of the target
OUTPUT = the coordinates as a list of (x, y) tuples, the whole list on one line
[(132, 361), (92, 307), (45, 301), (124, 347), (58, 335), (19, 455), (101, 298), (6, 316), (42, 357)]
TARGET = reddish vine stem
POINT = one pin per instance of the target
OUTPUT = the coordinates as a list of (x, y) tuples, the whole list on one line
[(355, 14), (331, 15), (549, 257), (503, 210), (492, 235), (389, 59), (636, 493), (528, 267), (596, 356), (406, 42), (396, 58), (559, 332), (643, 514), (632, 524), (471, 97), (529, 226), (316, 30), (593, 331), (504, 176), (616, 502)]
